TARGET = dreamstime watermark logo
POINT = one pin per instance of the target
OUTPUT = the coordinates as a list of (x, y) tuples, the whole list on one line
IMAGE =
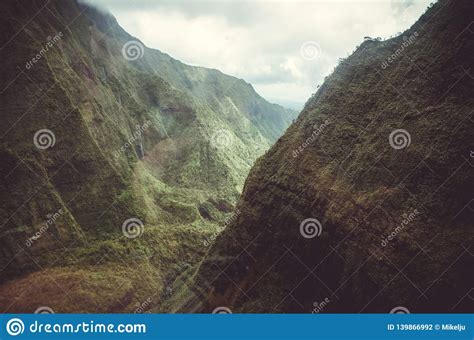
[(316, 132), (319, 306), (44, 310), (407, 41), (310, 50), (407, 219), (133, 50), (221, 310), (15, 327), (399, 139), (44, 139), (143, 306), (210, 239), (222, 139), (310, 228), (136, 135), (51, 42), (400, 310), (132, 228), (52, 218)]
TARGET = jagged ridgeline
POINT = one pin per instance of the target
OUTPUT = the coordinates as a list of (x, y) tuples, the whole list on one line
[(366, 203), (118, 162)]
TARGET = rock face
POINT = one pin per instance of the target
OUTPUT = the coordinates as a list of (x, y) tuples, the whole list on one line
[(99, 130), (366, 203)]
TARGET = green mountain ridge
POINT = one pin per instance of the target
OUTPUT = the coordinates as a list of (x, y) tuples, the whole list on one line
[(98, 148), (365, 203)]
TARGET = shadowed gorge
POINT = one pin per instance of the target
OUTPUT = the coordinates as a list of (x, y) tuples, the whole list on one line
[(365, 203), (132, 182), (119, 163)]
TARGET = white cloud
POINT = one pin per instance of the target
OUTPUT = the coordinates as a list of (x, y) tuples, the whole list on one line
[(260, 40)]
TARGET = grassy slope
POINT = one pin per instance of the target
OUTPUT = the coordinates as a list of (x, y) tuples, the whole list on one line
[(360, 188), (93, 99)]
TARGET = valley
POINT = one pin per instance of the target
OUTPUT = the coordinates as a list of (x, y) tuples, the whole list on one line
[(139, 158)]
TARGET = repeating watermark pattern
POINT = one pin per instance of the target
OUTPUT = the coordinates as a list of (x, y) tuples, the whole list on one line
[(221, 310), (210, 239), (377, 253), (136, 135), (399, 139), (320, 306), (407, 41), (310, 50), (44, 139), (133, 50), (407, 219), (400, 310), (132, 228), (50, 44), (316, 132), (310, 228), (222, 138), (143, 306), (168, 291), (15, 327), (44, 310), (52, 218)]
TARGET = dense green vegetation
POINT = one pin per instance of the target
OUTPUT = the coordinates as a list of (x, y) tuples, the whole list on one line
[(361, 189), (151, 139)]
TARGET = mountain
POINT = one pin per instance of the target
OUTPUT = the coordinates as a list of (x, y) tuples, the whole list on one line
[(288, 103), (119, 163), (365, 204)]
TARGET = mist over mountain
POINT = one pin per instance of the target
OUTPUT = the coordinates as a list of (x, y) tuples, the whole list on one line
[(297, 106)]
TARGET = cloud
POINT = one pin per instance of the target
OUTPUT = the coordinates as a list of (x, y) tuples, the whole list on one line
[(260, 41)]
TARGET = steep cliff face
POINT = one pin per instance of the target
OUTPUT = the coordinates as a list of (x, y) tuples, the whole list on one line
[(365, 203), (102, 136)]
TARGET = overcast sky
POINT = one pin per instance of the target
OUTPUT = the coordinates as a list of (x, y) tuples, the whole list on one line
[(283, 48)]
